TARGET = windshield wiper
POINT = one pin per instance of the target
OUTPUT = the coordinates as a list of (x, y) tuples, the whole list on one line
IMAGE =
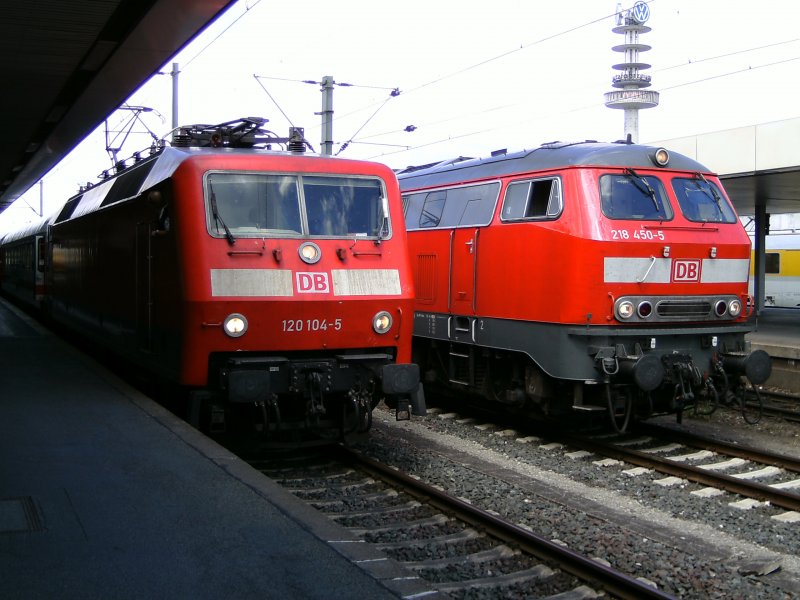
[(217, 219), (643, 186), (711, 191)]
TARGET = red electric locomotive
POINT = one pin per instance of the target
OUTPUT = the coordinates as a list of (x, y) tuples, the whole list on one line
[(274, 286), (580, 278)]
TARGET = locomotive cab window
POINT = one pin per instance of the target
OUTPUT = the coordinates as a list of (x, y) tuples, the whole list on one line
[(535, 199), (257, 205), (345, 207), (634, 197), (701, 201)]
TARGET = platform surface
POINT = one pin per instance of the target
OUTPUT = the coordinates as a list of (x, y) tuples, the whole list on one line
[(778, 332), (105, 494)]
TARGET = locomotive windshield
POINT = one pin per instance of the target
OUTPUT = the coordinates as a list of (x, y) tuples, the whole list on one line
[(634, 196), (262, 205), (702, 201)]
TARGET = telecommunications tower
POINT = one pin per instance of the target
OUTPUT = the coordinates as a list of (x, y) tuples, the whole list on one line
[(630, 94)]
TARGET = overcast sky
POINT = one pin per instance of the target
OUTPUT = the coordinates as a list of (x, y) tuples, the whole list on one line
[(473, 76)]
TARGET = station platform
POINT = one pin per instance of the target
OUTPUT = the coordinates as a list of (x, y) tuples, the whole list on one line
[(778, 334), (105, 494)]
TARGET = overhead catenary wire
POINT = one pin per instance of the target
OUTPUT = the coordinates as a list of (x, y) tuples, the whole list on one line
[(247, 9), (354, 138), (421, 127), (500, 56), (749, 68), (394, 94), (691, 62), (275, 102)]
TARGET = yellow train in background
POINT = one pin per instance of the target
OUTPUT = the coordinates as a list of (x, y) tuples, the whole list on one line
[(782, 271)]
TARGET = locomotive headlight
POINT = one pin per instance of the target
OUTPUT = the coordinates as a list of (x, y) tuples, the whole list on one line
[(625, 309), (309, 253), (661, 157), (382, 322), (235, 325), (735, 308)]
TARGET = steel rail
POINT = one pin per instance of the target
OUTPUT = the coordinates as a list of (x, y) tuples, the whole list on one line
[(748, 452), (612, 581), (758, 491)]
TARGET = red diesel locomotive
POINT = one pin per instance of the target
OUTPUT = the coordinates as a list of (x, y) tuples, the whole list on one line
[(274, 286), (588, 277)]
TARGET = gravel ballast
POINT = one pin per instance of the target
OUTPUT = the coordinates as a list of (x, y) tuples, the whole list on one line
[(689, 546)]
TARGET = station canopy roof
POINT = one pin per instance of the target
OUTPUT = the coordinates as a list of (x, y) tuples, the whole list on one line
[(68, 64)]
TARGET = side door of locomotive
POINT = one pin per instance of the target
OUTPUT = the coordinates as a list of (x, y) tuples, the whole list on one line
[(468, 209), (463, 270)]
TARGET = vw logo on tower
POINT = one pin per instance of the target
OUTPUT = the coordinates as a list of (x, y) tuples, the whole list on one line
[(640, 12)]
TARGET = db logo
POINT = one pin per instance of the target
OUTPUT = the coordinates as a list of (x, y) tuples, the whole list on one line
[(312, 283), (686, 270)]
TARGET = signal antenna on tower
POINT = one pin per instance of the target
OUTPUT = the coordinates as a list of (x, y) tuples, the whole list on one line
[(630, 95)]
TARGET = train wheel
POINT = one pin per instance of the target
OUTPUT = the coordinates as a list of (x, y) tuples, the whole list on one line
[(357, 413)]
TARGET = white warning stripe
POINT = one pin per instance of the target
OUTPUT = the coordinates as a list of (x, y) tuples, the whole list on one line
[(279, 282), (659, 270), (251, 282), (366, 282), (635, 270), (730, 270)]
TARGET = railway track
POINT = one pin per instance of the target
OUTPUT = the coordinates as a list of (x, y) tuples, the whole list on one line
[(784, 405), (457, 548), (757, 475), (781, 404)]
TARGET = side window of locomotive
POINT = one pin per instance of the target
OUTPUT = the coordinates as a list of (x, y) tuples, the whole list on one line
[(412, 209), (432, 209), (345, 206), (634, 197), (471, 205), (702, 201), (454, 207), (536, 199)]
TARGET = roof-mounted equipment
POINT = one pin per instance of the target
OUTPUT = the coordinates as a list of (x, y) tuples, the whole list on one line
[(248, 132)]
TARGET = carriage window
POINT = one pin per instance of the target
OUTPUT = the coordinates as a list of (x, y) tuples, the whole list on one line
[(257, 205), (772, 263), (634, 197), (539, 198), (453, 207), (702, 201)]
